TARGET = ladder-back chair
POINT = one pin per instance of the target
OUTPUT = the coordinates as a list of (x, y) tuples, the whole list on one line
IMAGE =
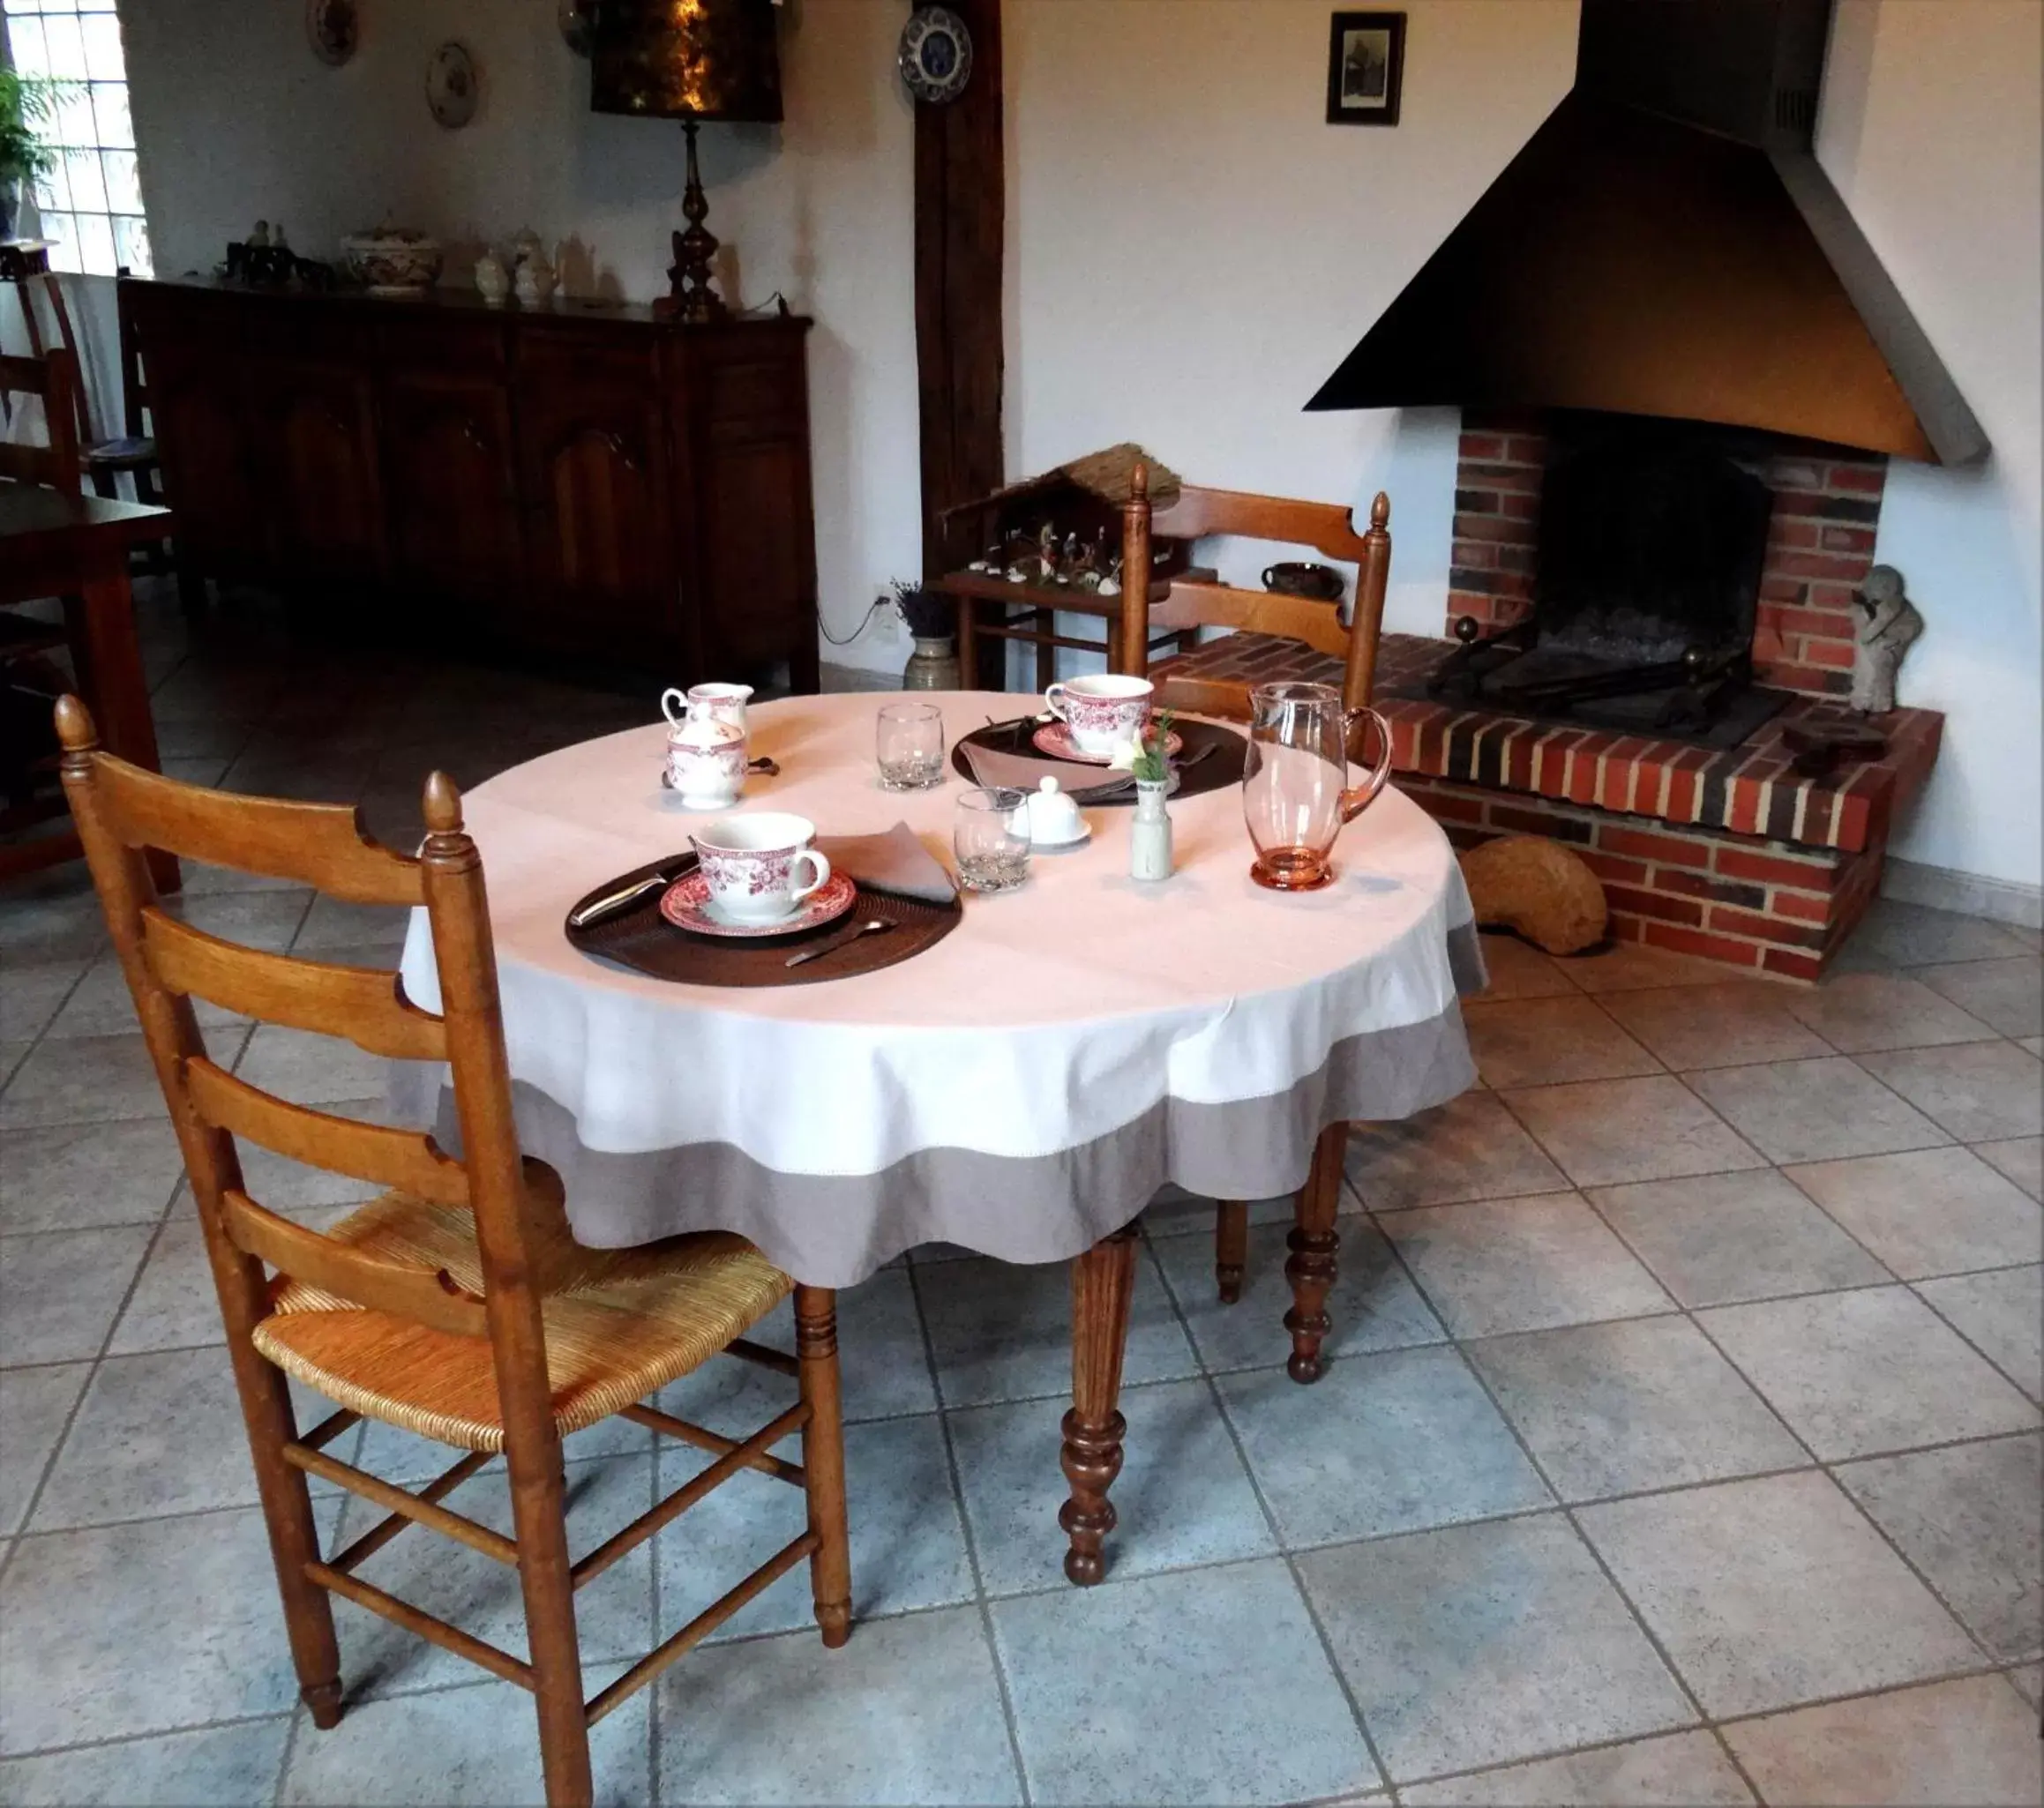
[(29, 678), (134, 449), (1207, 682), (1193, 603), (53, 379), (456, 1305)]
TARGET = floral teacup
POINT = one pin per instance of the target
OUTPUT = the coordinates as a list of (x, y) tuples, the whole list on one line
[(1101, 712), (752, 863)]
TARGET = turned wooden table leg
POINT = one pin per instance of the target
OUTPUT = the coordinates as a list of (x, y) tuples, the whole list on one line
[(116, 684), (1102, 1280), (1230, 1247), (1311, 1266)]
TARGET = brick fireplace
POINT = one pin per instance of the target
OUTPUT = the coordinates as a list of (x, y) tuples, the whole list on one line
[(1725, 853), (1820, 543)]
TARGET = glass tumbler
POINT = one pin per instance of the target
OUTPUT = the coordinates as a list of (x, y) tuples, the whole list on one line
[(994, 853), (909, 743)]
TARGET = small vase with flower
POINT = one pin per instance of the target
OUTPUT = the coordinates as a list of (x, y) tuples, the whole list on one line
[(1145, 759)]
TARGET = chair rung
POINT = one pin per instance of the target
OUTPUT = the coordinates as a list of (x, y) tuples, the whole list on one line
[(486, 1656), (465, 1531), (330, 1427), (777, 1360), (698, 1628), (715, 1442), (384, 1529), (687, 1496)]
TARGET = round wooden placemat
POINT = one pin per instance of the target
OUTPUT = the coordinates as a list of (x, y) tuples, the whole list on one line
[(1221, 768), (642, 939)]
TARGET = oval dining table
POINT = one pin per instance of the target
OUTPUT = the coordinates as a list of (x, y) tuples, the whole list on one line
[(1021, 1088)]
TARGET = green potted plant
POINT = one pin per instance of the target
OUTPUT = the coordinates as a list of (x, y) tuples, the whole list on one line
[(27, 106)]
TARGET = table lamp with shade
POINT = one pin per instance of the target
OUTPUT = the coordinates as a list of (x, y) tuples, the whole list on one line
[(691, 60)]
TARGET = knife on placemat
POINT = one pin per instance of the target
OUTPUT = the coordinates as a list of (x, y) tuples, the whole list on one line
[(623, 897), (844, 937)]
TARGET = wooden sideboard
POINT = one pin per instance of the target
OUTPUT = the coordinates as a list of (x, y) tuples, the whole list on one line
[(582, 480)]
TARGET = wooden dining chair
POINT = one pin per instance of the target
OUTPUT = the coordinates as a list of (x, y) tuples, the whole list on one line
[(51, 378), (1207, 680), (40, 289), (133, 449), (1215, 678), (457, 1305), (30, 679)]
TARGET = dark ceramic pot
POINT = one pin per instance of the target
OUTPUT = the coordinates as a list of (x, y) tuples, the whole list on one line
[(1303, 577)]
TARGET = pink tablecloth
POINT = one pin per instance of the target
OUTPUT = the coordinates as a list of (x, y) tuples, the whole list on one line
[(1021, 1088)]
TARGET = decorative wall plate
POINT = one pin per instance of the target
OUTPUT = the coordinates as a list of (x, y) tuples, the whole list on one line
[(577, 26), (332, 27), (454, 86), (936, 55)]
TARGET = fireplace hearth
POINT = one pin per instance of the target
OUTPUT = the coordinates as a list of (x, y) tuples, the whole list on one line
[(1649, 554)]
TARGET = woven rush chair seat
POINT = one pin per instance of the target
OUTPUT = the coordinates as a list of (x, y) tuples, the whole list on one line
[(620, 1325)]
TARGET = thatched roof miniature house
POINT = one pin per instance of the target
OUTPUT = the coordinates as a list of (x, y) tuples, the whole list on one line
[(1105, 476)]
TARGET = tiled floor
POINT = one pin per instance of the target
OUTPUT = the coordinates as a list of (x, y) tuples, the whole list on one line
[(1682, 1443)]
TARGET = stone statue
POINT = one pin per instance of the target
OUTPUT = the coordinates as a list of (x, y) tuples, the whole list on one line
[(1890, 627)]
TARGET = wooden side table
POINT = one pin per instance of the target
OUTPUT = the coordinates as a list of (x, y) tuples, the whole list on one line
[(991, 606)]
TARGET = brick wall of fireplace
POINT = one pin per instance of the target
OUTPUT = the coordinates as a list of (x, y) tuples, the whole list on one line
[(1729, 854), (1827, 506)]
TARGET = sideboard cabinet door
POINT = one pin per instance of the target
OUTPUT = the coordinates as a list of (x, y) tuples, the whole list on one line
[(450, 470), (195, 406), (741, 429), (314, 433), (593, 472)]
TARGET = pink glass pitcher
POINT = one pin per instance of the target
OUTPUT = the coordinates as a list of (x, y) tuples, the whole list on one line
[(1295, 791)]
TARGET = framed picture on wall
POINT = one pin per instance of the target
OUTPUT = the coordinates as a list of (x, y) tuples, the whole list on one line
[(1365, 66)]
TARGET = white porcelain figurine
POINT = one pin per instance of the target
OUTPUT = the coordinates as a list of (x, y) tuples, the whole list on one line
[(492, 279), (532, 276)]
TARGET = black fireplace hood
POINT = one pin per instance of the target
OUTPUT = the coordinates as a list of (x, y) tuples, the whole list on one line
[(1665, 244)]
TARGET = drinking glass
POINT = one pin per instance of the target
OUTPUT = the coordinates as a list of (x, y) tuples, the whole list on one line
[(909, 744), (993, 854)]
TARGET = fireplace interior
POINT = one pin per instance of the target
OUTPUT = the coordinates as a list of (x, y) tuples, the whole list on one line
[(1649, 550)]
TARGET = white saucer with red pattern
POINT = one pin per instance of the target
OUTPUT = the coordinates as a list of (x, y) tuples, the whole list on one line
[(686, 905), (1055, 739)]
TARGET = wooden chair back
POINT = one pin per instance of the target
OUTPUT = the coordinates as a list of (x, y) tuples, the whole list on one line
[(135, 413), (1326, 527), (123, 810), (51, 285), (53, 379)]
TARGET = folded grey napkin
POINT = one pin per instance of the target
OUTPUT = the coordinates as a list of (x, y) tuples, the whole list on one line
[(895, 862), (1025, 772)]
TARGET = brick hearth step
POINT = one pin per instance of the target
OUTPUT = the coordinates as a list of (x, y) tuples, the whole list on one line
[(1730, 854)]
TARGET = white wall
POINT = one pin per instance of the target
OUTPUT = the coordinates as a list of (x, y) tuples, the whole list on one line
[(1931, 126), (236, 120), (1191, 251)]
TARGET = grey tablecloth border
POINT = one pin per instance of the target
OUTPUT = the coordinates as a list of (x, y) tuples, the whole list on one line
[(834, 1230)]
